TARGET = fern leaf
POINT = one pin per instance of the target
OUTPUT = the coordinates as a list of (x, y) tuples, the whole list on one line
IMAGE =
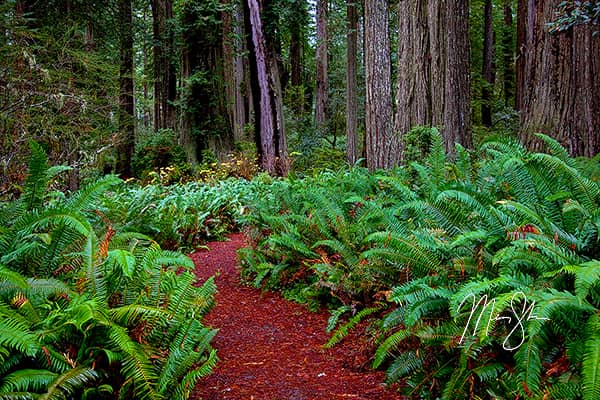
[(529, 366), (25, 380), (591, 360), (345, 329), (37, 179), (390, 344), (71, 381), (404, 365)]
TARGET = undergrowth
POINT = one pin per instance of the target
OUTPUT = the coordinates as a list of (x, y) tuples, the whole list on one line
[(481, 274), (90, 310)]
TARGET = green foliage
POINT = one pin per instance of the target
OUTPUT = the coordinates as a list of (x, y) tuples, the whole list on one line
[(179, 216), (486, 273), (56, 88), (89, 311), (158, 150), (572, 13)]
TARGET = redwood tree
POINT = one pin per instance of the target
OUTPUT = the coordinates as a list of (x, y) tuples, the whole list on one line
[(204, 115), (267, 93), (164, 65), (558, 80), (233, 67), (382, 145), (488, 71), (351, 86), (322, 65), (415, 69), (126, 139), (457, 113)]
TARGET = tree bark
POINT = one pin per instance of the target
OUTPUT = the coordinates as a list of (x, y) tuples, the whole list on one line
[(351, 83), (204, 122), (165, 81), (457, 115), (559, 81), (298, 20), (488, 72), (233, 69), (508, 50), (437, 26), (382, 145), (271, 140), (126, 141), (322, 66), (413, 91)]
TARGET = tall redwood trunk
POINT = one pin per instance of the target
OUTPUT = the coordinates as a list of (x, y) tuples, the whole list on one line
[(298, 21), (488, 71), (165, 81), (457, 115), (382, 145), (508, 49), (270, 132), (558, 81), (413, 91), (437, 26), (322, 65), (351, 83), (233, 69), (126, 140), (204, 122)]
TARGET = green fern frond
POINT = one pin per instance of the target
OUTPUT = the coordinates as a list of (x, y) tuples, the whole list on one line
[(94, 275), (556, 149), (335, 317), (345, 329), (14, 334), (404, 251), (189, 348), (529, 365), (27, 380), (587, 276), (455, 385), (586, 191), (136, 365), (489, 372), (187, 384), (591, 360), (19, 396), (89, 195), (288, 241), (405, 364), (389, 345), (347, 253), (70, 382), (36, 183), (565, 391)]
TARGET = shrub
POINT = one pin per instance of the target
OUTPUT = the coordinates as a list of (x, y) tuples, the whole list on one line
[(158, 151), (482, 278), (90, 311)]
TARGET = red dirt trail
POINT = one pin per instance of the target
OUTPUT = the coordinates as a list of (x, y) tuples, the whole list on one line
[(270, 348)]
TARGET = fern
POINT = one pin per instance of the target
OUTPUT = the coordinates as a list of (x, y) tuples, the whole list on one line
[(345, 329), (37, 178), (404, 364), (591, 360), (70, 382)]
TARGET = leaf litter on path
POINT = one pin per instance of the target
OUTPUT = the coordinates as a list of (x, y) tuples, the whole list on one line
[(271, 349)]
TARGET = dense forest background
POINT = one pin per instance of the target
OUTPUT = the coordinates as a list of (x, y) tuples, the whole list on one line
[(128, 86), (442, 198)]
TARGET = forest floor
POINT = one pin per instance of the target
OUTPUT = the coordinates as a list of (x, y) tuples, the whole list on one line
[(271, 349)]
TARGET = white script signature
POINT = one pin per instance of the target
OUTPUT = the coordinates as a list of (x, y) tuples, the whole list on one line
[(519, 315)]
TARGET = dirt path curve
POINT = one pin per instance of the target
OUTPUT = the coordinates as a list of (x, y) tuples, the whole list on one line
[(270, 349)]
